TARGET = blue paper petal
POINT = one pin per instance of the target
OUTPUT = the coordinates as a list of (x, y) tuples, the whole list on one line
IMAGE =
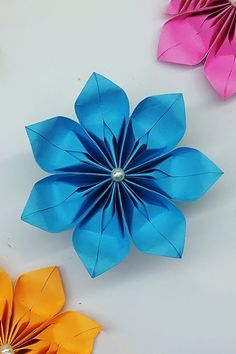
[(161, 232), (158, 226), (101, 246), (185, 174), (61, 145), (162, 119), (55, 202), (101, 101)]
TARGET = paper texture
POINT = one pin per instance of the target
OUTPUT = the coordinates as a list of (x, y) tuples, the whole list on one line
[(31, 321), (203, 30), (82, 192)]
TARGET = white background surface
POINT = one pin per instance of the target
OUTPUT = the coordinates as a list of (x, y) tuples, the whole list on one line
[(148, 304)]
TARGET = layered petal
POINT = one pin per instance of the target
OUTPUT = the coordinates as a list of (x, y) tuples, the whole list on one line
[(102, 240), (161, 121), (185, 174), (220, 67), (38, 296), (6, 294), (70, 332), (179, 6), (61, 145), (186, 39), (55, 201), (102, 102), (158, 227)]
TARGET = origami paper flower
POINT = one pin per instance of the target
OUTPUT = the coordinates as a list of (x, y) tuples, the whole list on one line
[(114, 175), (203, 30), (29, 319)]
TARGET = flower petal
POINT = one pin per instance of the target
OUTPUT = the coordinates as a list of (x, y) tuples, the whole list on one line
[(185, 174), (175, 7), (180, 6), (100, 244), (60, 144), (220, 67), (158, 227), (71, 332), (101, 101), (186, 39), (162, 120), (38, 296), (6, 293), (55, 201)]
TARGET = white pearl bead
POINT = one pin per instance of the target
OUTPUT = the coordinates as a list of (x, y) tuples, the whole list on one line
[(118, 174), (6, 349), (233, 2)]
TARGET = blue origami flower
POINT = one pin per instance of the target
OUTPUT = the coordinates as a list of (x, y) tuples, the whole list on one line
[(114, 175)]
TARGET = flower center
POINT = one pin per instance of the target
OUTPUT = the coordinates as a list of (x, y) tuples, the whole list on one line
[(233, 2), (118, 174), (6, 349)]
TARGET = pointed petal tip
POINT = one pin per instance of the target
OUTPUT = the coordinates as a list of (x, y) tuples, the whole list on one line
[(175, 254), (24, 214), (219, 175), (94, 273), (222, 93), (51, 269), (180, 254), (100, 327), (95, 75), (27, 219), (218, 170), (226, 96), (215, 168), (28, 129), (163, 58), (176, 95)]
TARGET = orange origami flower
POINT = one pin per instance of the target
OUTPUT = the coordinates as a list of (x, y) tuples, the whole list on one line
[(29, 319)]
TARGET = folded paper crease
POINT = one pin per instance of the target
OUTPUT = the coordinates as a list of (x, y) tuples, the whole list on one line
[(203, 30), (30, 318), (107, 215)]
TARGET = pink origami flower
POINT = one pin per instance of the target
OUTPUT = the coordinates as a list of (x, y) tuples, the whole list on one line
[(203, 30)]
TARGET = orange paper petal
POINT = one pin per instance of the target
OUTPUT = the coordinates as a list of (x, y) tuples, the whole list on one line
[(71, 332), (6, 293), (29, 319), (38, 296)]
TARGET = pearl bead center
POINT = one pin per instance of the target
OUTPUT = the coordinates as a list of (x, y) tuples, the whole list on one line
[(6, 349), (233, 2), (118, 174)]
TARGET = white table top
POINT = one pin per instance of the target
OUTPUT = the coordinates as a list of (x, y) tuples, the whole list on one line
[(148, 304)]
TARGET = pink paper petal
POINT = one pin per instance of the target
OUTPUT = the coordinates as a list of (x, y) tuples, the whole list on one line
[(180, 6), (220, 68), (186, 39)]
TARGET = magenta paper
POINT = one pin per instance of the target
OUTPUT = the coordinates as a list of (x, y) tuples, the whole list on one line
[(203, 30)]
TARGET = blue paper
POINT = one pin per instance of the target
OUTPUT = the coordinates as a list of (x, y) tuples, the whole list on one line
[(114, 176)]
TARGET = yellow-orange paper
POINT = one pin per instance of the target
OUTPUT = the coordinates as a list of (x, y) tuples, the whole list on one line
[(30, 321)]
